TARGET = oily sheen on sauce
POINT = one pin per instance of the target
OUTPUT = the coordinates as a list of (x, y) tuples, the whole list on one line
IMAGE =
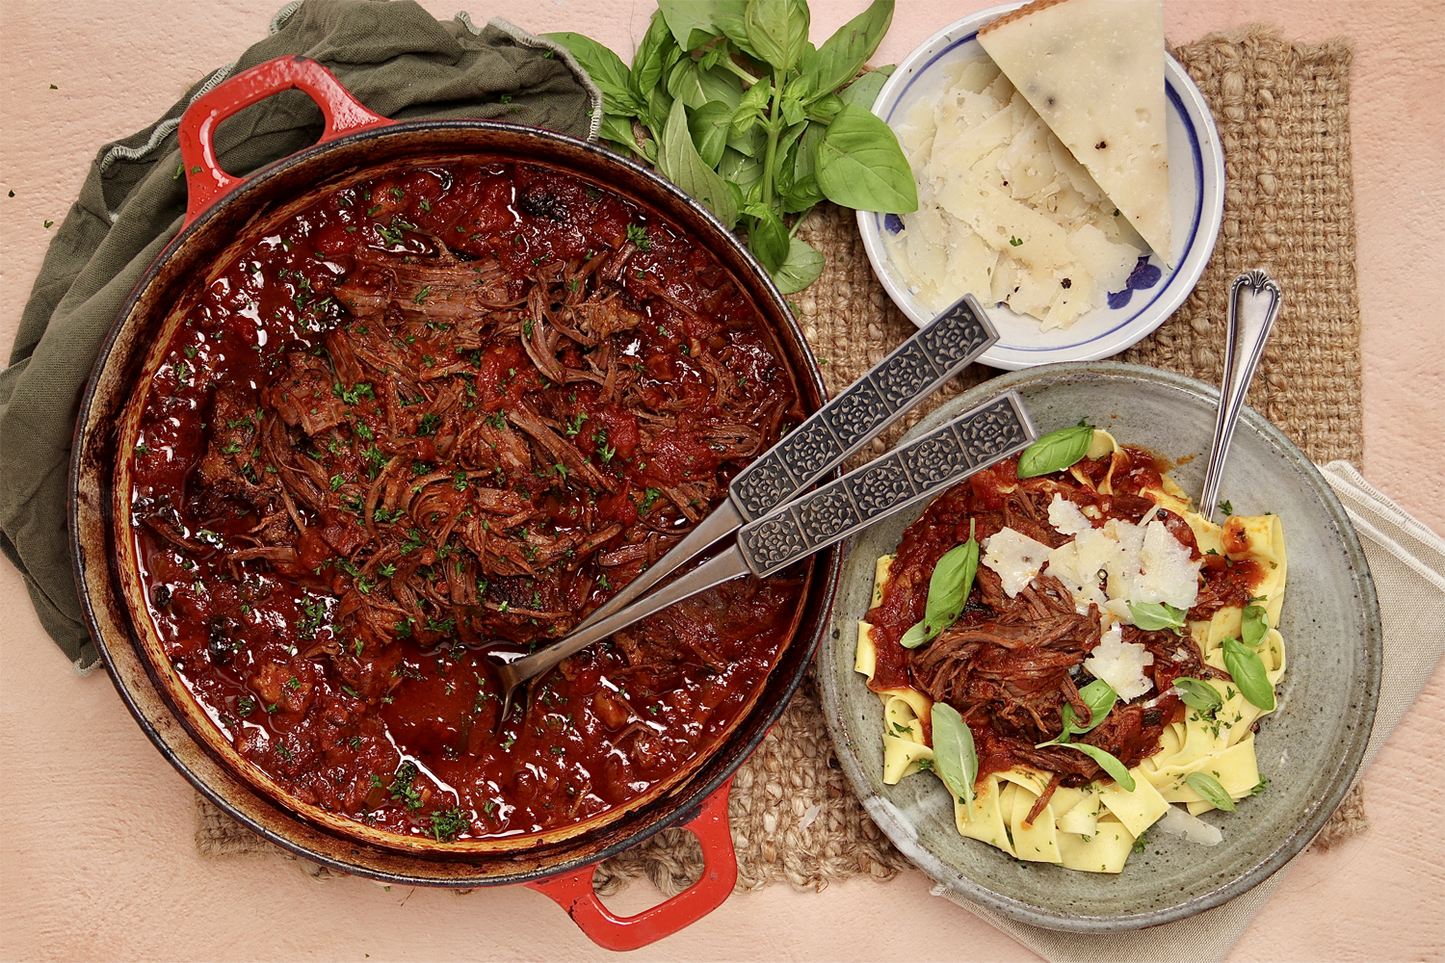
[(442, 412)]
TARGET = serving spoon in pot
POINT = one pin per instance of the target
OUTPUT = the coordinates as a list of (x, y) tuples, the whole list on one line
[(1254, 301), (911, 372), (810, 522)]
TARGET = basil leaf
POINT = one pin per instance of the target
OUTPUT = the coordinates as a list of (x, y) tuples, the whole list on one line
[(1254, 625), (790, 105), (860, 165), (709, 126), (954, 757), (864, 90), (767, 237), (1108, 762), (730, 16), (1209, 787), (825, 108), (617, 128), (778, 31), (803, 196), (752, 142), (753, 106), (1055, 451), (1100, 697), (605, 68), (802, 193), (695, 86), (948, 590), (1151, 616), (1247, 670), (659, 109), (1198, 694), (740, 169), (803, 266), (680, 163), (692, 22), (842, 55), (655, 55)]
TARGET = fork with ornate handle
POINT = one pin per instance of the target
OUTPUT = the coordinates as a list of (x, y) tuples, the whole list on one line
[(911, 372), (797, 528)]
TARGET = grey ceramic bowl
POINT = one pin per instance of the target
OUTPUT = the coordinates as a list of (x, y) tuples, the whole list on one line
[(1309, 749)]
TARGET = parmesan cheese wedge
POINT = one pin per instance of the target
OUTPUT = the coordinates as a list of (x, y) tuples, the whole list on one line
[(1094, 71)]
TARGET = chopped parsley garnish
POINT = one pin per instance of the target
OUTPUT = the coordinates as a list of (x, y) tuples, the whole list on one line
[(361, 391), (448, 824), (637, 234), (403, 788)]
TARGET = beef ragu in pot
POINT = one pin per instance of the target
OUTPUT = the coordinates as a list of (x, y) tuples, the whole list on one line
[(434, 413)]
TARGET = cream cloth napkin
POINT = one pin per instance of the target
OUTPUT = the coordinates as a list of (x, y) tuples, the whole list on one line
[(1407, 562)]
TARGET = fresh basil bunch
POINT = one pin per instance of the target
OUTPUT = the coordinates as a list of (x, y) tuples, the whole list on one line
[(740, 110)]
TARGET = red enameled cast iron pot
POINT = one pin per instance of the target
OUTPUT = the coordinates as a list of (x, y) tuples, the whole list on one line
[(221, 207)]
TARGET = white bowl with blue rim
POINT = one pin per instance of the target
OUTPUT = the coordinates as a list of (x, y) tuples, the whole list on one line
[(1153, 291)]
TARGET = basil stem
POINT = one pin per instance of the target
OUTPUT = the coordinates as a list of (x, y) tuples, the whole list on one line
[(1209, 787), (1110, 764), (1198, 694), (1056, 451), (1247, 670), (948, 590), (1151, 616), (954, 756), (1254, 625)]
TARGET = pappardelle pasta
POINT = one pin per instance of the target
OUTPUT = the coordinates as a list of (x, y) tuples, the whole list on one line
[(1072, 648)]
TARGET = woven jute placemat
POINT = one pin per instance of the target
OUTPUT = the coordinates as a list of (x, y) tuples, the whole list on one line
[(1282, 113)]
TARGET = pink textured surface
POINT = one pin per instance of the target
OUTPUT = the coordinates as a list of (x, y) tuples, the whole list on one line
[(97, 854)]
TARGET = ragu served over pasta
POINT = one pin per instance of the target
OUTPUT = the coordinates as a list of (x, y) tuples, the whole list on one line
[(1071, 647), (437, 412)]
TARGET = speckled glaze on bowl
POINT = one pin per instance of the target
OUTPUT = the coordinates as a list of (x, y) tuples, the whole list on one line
[(1309, 748)]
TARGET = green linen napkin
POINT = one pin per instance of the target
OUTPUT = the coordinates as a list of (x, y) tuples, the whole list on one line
[(395, 58)]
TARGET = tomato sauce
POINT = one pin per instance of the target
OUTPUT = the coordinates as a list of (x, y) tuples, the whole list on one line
[(1010, 684), (435, 417)]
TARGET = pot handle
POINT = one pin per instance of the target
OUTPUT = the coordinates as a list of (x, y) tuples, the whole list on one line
[(574, 893), (206, 182)]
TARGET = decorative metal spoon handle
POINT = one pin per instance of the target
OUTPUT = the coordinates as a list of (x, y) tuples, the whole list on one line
[(926, 466), (911, 372), (1254, 301), (909, 474)]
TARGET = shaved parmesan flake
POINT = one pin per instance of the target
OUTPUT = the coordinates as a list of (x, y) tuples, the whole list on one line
[(1179, 823), (1134, 563), (1016, 558), (1067, 518), (1005, 211), (1165, 572), (1121, 664)]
